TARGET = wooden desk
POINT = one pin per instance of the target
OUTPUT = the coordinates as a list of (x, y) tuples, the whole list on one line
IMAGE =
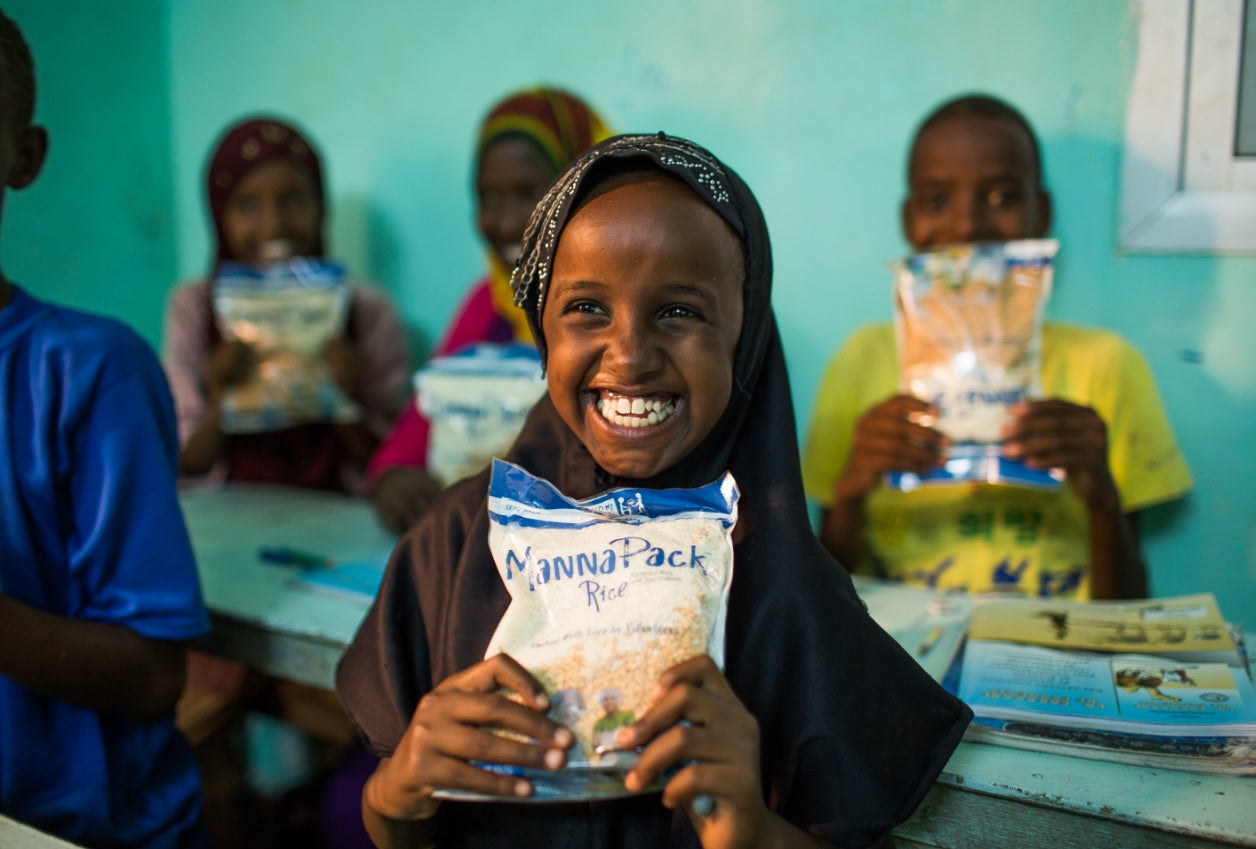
[(988, 796), (996, 797), (261, 618)]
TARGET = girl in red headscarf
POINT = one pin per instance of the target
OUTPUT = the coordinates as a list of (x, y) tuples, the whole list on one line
[(267, 202), (524, 141)]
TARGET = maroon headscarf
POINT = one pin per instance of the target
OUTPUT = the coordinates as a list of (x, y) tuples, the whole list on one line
[(246, 146)]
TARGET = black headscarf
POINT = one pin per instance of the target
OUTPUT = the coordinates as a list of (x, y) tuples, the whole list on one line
[(853, 731)]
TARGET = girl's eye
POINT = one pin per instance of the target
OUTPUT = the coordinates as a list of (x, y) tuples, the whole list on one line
[(490, 200), (583, 308), (246, 204), (1002, 197), (679, 311), (932, 201), (297, 201)]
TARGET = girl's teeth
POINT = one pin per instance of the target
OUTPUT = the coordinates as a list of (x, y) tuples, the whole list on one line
[(634, 412)]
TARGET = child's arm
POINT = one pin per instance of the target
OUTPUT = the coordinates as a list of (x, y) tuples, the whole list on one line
[(888, 437), (1054, 433), (401, 494), (697, 719), (229, 364), (95, 665), (451, 727), (346, 366)]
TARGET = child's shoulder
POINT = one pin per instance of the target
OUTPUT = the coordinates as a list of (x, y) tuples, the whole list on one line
[(83, 342), (875, 335), (1080, 341)]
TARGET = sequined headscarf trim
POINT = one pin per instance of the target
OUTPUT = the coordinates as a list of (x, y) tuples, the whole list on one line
[(247, 145)]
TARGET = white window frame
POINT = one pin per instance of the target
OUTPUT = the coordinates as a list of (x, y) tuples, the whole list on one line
[(1182, 189)]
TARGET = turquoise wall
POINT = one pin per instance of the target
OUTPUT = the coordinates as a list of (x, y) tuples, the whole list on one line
[(812, 101), (96, 230)]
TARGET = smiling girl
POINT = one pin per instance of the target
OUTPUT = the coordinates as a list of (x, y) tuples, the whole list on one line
[(267, 202), (646, 277)]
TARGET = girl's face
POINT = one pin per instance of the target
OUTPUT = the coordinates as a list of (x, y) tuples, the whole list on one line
[(972, 178), (511, 178), (272, 212), (642, 321)]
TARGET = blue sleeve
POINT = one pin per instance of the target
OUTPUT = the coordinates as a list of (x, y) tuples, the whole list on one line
[(129, 555)]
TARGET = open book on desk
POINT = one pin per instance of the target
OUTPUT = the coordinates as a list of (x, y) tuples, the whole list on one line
[(1075, 693), (1179, 628), (1132, 694)]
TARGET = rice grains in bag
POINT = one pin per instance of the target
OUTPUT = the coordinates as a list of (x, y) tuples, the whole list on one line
[(606, 594), (287, 312), (969, 326)]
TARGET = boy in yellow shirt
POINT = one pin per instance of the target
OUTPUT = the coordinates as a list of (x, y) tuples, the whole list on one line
[(975, 174)]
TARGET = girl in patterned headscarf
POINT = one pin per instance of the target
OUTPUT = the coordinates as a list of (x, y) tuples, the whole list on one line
[(523, 142), (646, 274), (267, 202)]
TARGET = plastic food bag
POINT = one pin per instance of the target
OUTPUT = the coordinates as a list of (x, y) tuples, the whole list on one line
[(969, 325), (476, 401), (287, 313), (606, 594)]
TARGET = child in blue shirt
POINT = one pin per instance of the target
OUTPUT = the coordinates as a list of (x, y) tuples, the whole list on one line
[(98, 587)]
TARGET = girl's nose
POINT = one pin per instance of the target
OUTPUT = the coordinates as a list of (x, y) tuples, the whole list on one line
[(972, 222), (632, 352), (270, 223), (965, 223)]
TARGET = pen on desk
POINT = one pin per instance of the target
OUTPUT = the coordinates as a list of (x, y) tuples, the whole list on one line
[(930, 640), (285, 556)]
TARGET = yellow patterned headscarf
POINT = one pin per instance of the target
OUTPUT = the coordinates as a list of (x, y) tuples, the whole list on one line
[(561, 126)]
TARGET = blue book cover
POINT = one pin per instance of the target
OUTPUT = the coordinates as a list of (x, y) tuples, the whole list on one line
[(1125, 693)]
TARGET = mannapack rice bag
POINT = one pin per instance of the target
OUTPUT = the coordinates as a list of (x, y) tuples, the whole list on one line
[(969, 327), (476, 400), (606, 594), (287, 312)]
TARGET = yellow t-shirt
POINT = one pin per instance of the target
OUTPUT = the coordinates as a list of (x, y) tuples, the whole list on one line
[(990, 538)]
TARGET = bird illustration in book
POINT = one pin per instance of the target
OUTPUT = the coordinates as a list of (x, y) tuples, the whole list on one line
[(1152, 680)]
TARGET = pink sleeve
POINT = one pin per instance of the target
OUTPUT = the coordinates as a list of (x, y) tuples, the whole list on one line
[(474, 321), (405, 446)]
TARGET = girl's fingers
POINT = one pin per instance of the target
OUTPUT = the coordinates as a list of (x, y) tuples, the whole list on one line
[(675, 745), (695, 716), (467, 743), (700, 671), (497, 673), (491, 710), (702, 787), (460, 775)]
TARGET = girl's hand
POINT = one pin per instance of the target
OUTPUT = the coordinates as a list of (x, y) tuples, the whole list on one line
[(1056, 434), (229, 364), (343, 363), (697, 720), (451, 726), (402, 494), (893, 436)]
